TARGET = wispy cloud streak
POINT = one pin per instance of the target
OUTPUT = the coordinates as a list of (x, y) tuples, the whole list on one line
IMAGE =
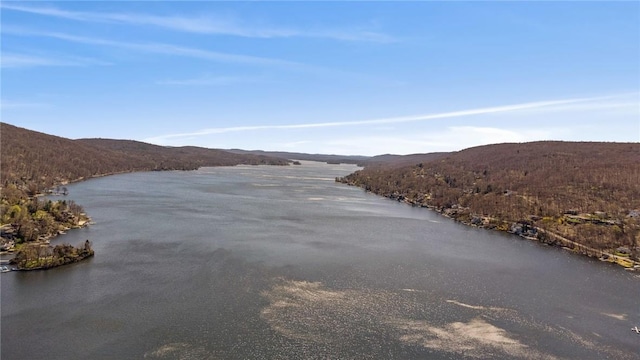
[(13, 60), (209, 80), (393, 120), (9, 104), (215, 25), (159, 48)]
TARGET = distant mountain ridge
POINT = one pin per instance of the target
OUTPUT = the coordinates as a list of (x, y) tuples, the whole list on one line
[(386, 159), (342, 159), (403, 160)]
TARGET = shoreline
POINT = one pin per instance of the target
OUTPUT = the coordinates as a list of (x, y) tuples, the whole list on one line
[(32, 257), (51, 266), (14, 248), (542, 235)]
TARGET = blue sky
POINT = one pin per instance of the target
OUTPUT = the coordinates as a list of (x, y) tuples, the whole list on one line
[(324, 77)]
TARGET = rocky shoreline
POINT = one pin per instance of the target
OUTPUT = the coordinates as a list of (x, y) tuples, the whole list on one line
[(68, 262), (8, 238), (526, 229)]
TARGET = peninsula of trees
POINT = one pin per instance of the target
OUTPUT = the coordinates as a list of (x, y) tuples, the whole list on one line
[(42, 256), (581, 195)]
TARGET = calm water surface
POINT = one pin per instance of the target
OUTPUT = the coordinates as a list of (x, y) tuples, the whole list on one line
[(264, 262)]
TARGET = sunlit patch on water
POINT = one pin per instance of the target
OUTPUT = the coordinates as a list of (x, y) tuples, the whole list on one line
[(180, 351), (477, 307), (348, 318), (312, 312), (616, 316), (411, 290), (475, 338), (265, 185)]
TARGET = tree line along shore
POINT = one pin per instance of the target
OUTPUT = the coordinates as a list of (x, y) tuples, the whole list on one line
[(581, 196)]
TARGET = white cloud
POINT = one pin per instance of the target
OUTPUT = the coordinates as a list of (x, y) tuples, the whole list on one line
[(210, 80), (394, 120), (12, 60), (194, 53), (411, 142), (19, 61), (211, 24), (458, 137), (623, 102), (160, 48), (293, 144)]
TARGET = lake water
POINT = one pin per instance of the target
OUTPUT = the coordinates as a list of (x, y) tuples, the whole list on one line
[(258, 262)]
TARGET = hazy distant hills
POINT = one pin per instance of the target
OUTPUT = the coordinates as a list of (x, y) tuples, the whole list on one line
[(387, 159), (30, 158), (586, 191), (342, 159), (396, 161)]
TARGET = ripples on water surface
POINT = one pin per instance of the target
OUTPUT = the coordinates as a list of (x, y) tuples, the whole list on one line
[(254, 262)]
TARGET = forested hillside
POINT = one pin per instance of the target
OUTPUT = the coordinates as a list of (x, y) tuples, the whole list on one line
[(586, 192), (36, 161), (32, 163), (186, 157)]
